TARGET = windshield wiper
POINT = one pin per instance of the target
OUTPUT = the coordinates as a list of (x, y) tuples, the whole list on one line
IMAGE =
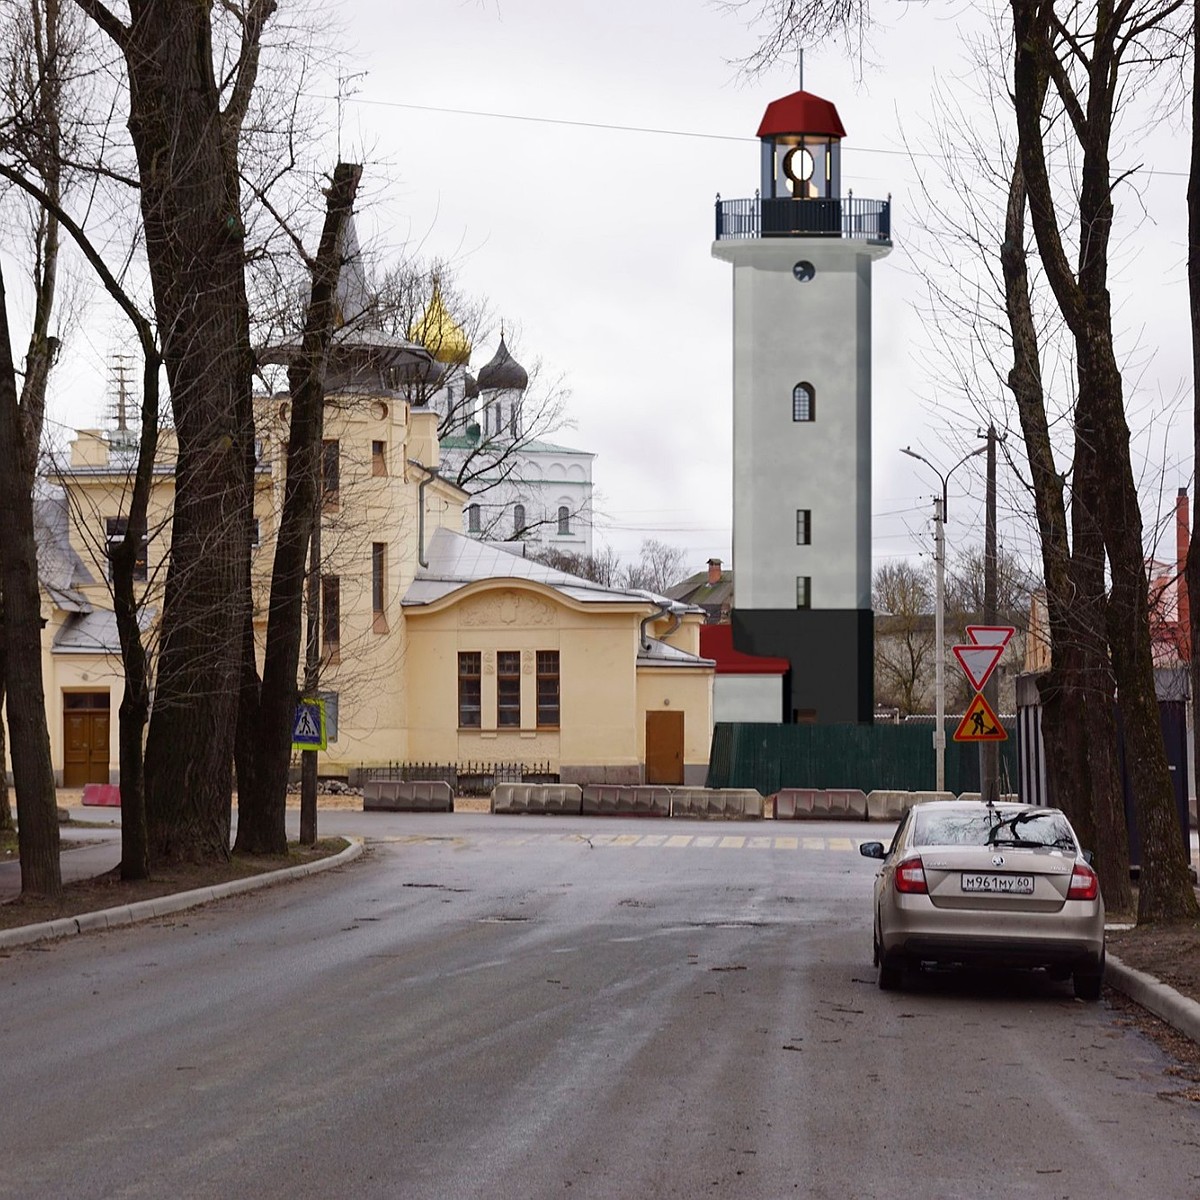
[(1018, 842)]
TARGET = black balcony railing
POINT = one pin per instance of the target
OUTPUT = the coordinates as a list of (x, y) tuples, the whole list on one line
[(870, 220)]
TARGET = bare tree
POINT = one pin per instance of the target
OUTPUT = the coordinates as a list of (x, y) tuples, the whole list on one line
[(659, 567), (267, 710), (902, 596), (186, 112)]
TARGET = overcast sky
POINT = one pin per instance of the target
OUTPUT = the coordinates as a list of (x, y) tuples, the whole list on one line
[(592, 238)]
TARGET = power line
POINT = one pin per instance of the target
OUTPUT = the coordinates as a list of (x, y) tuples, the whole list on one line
[(655, 130)]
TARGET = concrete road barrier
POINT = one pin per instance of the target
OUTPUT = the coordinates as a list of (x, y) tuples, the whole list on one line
[(613, 800), (720, 804), (564, 798), (818, 804), (418, 795), (891, 806)]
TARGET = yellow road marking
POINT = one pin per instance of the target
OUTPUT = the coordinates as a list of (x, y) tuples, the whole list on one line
[(678, 839), (706, 841), (787, 843), (653, 839), (840, 844), (811, 843), (732, 843), (759, 843), (626, 839)]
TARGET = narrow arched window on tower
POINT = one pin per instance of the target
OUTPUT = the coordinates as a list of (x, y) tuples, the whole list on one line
[(518, 519), (473, 518), (804, 402), (564, 519)]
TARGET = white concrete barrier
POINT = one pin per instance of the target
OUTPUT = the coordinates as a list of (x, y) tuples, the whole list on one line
[(564, 798), (416, 795), (818, 804), (721, 804)]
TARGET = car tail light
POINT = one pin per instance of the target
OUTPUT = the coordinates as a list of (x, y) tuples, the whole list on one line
[(910, 876), (1084, 883)]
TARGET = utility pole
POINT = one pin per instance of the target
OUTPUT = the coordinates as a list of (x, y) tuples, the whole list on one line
[(939, 640), (939, 541), (312, 667), (989, 752)]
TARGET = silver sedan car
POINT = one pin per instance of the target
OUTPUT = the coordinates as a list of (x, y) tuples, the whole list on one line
[(996, 885)]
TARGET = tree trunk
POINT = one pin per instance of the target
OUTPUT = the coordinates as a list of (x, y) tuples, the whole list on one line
[(33, 773), (262, 805), (1193, 273), (1077, 716), (1083, 299), (135, 705), (6, 821), (187, 160)]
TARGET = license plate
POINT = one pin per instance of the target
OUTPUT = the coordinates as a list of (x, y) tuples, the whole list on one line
[(1019, 885)]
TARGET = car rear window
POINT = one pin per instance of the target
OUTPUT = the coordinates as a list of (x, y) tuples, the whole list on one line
[(991, 827)]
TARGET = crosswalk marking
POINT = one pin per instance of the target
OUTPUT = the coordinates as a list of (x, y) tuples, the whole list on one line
[(650, 841)]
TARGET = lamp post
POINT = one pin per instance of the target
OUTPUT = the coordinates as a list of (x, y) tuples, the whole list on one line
[(939, 558)]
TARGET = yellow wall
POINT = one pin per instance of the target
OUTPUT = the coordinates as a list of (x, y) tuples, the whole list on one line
[(395, 673)]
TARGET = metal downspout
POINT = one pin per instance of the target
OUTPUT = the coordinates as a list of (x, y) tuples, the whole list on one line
[(431, 473)]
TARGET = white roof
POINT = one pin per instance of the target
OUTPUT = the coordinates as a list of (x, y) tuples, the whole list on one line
[(456, 560)]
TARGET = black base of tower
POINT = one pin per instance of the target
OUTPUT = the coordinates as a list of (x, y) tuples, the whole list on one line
[(832, 652)]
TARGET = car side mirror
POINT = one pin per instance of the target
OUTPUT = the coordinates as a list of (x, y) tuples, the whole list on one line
[(871, 850), (1089, 857)]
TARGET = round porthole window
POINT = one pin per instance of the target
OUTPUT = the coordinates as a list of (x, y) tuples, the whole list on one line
[(804, 270)]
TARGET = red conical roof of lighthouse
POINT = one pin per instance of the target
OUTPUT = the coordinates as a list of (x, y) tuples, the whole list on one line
[(801, 112)]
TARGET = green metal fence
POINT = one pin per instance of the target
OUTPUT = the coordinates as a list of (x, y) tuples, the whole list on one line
[(869, 757)]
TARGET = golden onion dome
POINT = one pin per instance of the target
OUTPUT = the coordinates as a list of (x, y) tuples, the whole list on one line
[(440, 333)]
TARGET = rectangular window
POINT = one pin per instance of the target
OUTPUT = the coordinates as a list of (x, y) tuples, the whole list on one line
[(470, 709), (331, 616), (508, 688), (331, 473), (378, 576), (255, 535), (547, 689), (379, 458), (115, 528), (803, 526), (804, 591)]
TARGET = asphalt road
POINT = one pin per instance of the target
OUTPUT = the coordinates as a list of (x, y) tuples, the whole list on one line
[(543, 1007)]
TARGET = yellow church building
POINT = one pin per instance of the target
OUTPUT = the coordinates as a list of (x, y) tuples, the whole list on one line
[(437, 648)]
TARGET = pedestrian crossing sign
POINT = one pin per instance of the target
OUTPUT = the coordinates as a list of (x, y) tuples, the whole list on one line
[(308, 727), (980, 724)]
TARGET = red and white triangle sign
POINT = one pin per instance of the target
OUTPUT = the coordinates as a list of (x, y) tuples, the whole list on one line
[(978, 662), (990, 635)]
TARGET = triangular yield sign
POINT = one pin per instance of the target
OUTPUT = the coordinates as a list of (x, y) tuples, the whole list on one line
[(990, 635), (980, 724), (978, 662)]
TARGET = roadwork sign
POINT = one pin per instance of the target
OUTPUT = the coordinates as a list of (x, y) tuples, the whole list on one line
[(308, 727), (980, 724)]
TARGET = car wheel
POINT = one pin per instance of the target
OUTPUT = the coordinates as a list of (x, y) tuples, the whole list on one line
[(1088, 983), (891, 972)]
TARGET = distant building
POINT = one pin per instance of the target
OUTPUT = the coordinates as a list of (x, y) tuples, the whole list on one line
[(711, 590), (522, 487)]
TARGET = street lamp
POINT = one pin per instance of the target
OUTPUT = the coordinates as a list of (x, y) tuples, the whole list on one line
[(939, 558)]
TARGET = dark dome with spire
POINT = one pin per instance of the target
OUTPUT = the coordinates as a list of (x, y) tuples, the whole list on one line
[(503, 373)]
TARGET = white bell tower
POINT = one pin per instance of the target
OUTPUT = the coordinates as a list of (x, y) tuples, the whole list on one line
[(802, 257)]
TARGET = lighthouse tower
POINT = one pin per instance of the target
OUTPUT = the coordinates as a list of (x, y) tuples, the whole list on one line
[(802, 254)]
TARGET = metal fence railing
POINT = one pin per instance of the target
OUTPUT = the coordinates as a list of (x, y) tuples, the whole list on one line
[(847, 217), (466, 778)]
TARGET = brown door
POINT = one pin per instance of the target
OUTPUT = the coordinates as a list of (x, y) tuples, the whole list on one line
[(664, 747), (85, 738)]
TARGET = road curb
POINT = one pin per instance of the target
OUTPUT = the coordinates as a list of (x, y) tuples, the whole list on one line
[(161, 906), (1157, 997)]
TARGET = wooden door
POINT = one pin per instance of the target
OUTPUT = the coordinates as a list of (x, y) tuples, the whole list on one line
[(85, 738), (664, 747)]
